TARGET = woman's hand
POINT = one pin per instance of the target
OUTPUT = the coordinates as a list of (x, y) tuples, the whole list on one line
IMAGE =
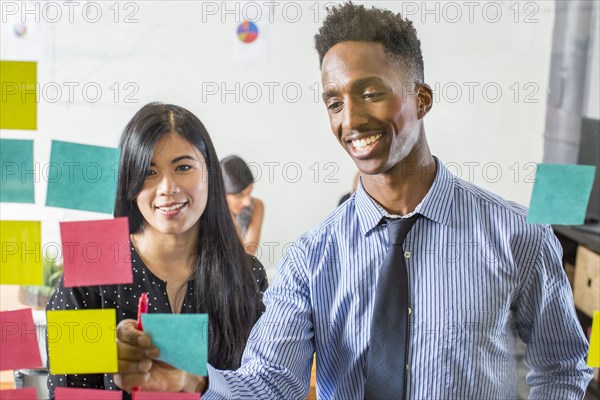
[(138, 365)]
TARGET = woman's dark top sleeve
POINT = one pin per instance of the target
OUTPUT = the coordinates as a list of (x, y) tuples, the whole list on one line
[(261, 282), (260, 274)]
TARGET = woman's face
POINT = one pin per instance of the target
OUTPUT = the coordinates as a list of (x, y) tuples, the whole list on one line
[(237, 202), (175, 190)]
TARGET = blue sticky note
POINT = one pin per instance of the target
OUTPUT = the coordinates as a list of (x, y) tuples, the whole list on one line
[(82, 177), (561, 194), (16, 160), (181, 338)]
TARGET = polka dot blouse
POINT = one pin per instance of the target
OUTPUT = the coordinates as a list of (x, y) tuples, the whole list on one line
[(124, 298)]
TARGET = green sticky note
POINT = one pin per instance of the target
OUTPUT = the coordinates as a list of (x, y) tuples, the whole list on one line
[(561, 194), (21, 262), (181, 338), (18, 95), (16, 160), (82, 177)]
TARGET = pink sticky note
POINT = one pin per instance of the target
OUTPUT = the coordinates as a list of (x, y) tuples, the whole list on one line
[(140, 395), (96, 252), (63, 393), (19, 344), (18, 394)]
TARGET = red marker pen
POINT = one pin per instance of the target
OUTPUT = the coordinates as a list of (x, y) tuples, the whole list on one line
[(142, 309)]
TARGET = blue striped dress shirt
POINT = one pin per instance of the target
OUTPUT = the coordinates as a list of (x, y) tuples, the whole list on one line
[(479, 277)]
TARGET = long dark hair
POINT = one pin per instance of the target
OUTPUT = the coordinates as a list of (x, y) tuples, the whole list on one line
[(224, 284), (236, 174)]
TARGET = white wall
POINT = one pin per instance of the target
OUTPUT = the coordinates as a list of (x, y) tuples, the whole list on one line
[(175, 48)]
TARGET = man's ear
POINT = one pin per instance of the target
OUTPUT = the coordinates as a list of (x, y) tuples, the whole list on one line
[(424, 99)]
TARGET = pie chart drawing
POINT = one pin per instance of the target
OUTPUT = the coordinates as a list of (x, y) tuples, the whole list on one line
[(247, 32)]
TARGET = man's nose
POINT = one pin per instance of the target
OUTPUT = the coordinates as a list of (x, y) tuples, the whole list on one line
[(353, 116)]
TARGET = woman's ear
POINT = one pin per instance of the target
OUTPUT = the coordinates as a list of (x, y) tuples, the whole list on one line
[(425, 99)]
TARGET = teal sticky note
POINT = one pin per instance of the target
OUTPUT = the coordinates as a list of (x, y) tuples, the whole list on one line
[(16, 160), (82, 177), (561, 194), (181, 338)]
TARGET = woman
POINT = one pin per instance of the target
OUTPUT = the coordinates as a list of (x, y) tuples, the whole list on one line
[(246, 211), (184, 247)]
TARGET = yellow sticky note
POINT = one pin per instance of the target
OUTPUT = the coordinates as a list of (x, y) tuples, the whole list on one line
[(18, 95), (21, 253), (594, 355), (82, 341)]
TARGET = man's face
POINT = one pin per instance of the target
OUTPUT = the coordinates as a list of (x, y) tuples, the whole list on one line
[(374, 109)]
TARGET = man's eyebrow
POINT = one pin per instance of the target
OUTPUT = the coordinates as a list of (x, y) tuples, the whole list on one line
[(176, 160), (371, 80), (331, 90)]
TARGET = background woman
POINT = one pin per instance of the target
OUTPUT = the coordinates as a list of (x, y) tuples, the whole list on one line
[(246, 211)]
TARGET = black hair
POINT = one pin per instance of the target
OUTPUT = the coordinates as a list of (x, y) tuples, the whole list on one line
[(349, 22), (236, 174), (224, 284)]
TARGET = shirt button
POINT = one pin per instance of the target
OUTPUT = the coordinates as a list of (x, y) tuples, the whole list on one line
[(407, 367), (409, 311), (407, 254)]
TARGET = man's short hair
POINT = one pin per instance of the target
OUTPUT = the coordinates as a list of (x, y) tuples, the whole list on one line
[(349, 22)]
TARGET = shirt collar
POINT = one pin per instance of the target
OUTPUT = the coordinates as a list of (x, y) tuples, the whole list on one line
[(436, 205)]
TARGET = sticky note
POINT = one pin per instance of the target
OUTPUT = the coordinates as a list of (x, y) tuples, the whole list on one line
[(19, 345), (82, 341), (19, 394), (594, 354), (82, 177), (141, 395), (63, 393), (16, 163), (21, 253), (181, 338), (18, 95), (96, 252), (561, 194)]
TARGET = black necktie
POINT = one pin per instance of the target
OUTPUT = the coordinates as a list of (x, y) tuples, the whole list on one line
[(386, 365)]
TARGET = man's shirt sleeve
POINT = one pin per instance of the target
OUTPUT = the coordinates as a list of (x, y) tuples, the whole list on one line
[(277, 361), (548, 324)]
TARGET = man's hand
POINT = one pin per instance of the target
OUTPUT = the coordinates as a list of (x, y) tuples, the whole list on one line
[(138, 365)]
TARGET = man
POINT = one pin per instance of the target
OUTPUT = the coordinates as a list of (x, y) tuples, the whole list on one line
[(478, 274)]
